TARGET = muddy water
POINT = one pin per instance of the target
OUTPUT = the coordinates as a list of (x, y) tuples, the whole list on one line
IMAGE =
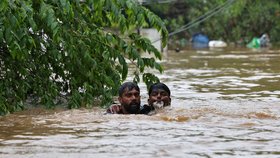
[(225, 103)]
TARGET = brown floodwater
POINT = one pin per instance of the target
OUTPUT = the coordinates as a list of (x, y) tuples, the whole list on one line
[(225, 103)]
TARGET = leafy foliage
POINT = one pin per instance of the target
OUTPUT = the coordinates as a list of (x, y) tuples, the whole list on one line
[(76, 48), (243, 20), (238, 20)]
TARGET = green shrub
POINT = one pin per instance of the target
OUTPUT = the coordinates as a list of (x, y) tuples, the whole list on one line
[(73, 48)]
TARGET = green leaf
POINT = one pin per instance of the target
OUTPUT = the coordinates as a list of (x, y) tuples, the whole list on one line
[(124, 67)]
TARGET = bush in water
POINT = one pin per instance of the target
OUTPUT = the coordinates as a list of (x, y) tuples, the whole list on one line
[(76, 48)]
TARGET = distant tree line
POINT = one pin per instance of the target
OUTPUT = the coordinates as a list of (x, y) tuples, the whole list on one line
[(238, 22)]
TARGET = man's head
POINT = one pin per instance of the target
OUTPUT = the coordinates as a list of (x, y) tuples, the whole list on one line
[(129, 97), (159, 93)]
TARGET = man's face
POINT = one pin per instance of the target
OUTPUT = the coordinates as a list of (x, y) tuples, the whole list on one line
[(159, 95), (130, 100)]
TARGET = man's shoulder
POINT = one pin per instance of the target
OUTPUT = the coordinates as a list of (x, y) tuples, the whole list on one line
[(146, 109)]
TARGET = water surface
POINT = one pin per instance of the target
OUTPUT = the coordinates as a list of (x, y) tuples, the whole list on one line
[(225, 103)]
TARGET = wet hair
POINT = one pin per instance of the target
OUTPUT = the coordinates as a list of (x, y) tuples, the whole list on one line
[(129, 86), (159, 86)]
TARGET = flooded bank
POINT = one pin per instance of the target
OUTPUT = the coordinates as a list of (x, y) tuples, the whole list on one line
[(225, 103)]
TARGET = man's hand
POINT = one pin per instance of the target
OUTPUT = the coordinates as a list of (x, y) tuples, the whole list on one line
[(114, 109)]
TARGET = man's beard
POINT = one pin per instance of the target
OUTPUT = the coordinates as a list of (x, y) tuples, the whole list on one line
[(132, 108), (158, 104)]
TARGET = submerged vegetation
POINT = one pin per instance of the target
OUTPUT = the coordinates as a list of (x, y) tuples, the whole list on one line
[(52, 48)]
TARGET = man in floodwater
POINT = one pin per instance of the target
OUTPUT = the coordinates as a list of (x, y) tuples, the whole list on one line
[(129, 97), (159, 97)]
